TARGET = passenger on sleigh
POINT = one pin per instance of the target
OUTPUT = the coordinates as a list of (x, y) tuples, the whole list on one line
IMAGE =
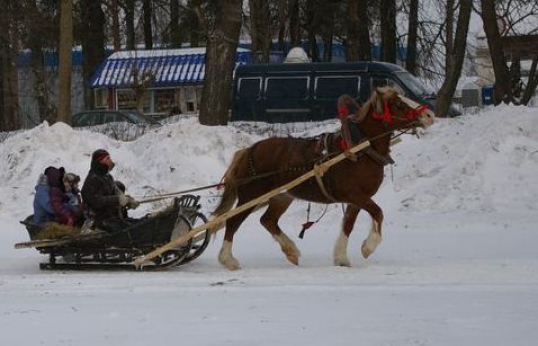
[(43, 211), (105, 202), (51, 203)]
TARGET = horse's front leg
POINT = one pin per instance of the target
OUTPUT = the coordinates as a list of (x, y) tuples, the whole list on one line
[(226, 257), (340, 248), (277, 207), (374, 237)]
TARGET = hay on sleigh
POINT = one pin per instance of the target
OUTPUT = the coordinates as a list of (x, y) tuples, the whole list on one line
[(53, 230)]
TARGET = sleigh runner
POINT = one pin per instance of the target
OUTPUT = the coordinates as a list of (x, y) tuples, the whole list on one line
[(118, 250)]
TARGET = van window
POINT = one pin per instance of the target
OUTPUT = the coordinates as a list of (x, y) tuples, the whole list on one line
[(287, 88), (412, 83), (249, 88), (378, 82), (334, 87)]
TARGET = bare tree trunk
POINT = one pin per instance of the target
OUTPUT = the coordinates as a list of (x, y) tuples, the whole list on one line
[(175, 33), (532, 84), (449, 45), (352, 42), (412, 33), (444, 97), (295, 31), (9, 47), (328, 43), (197, 21), (46, 111), (220, 61), (115, 12), (311, 27), (388, 30), (260, 30), (365, 46), (281, 24), (93, 43), (65, 68), (148, 32), (502, 91), (2, 74), (129, 24)]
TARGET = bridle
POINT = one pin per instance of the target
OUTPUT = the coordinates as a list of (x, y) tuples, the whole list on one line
[(388, 117)]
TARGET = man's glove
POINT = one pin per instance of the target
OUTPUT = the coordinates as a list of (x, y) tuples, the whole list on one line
[(133, 203), (124, 200), (128, 201)]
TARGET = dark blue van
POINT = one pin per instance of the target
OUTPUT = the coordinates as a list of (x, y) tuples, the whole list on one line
[(299, 92)]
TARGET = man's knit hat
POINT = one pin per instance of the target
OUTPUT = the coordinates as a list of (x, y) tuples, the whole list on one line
[(99, 154)]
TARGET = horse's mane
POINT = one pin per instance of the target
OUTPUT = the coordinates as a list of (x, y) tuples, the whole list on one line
[(375, 102)]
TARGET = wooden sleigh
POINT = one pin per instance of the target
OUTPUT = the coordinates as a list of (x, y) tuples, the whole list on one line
[(102, 250)]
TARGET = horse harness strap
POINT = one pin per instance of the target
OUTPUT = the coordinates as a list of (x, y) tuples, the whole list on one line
[(377, 157), (357, 135), (251, 168), (318, 173)]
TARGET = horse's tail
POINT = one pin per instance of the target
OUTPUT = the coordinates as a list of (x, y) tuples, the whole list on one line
[(229, 195)]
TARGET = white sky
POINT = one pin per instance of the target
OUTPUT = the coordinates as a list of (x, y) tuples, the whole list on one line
[(458, 264)]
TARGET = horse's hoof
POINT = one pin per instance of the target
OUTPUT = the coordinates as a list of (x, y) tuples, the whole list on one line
[(342, 263), (370, 244), (229, 263), (365, 251), (233, 267), (294, 260)]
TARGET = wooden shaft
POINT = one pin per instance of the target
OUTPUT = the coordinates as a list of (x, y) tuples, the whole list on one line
[(139, 262)]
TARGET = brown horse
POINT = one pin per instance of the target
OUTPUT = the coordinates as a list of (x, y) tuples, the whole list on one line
[(273, 162)]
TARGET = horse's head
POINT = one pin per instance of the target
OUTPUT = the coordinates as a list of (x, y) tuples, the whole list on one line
[(396, 111)]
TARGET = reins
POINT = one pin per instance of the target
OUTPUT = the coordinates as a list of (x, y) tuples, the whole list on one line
[(160, 197)]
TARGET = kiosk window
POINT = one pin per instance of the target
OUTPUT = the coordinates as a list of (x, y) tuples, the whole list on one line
[(334, 87), (287, 88)]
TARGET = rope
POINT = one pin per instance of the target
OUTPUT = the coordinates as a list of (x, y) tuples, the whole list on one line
[(309, 223), (155, 198)]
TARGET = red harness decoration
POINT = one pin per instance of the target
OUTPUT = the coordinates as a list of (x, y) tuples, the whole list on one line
[(386, 116), (412, 114), (342, 112)]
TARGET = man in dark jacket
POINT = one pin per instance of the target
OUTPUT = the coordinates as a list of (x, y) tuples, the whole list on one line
[(102, 197)]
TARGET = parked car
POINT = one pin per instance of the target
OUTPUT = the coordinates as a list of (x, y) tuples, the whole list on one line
[(99, 117), (297, 92)]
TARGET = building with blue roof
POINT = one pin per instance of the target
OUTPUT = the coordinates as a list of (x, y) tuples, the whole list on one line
[(169, 80)]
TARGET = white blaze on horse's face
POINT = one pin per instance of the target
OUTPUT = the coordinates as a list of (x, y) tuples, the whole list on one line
[(426, 116)]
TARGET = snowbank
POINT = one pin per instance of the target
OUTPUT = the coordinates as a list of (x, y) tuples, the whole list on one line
[(482, 162)]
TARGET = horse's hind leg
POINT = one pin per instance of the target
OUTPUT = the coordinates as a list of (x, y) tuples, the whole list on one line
[(374, 237), (277, 207), (226, 257), (340, 257)]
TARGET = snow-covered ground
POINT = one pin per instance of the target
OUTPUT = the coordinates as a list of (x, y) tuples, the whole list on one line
[(458, 264)]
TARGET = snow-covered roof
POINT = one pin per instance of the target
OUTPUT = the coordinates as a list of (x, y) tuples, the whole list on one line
[(167, 67)]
